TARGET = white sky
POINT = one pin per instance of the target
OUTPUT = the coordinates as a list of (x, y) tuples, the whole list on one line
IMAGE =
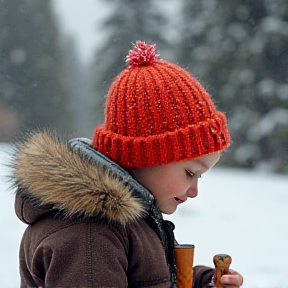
[(80, 18)]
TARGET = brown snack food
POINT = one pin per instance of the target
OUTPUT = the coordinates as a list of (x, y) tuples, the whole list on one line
[(222, 263)]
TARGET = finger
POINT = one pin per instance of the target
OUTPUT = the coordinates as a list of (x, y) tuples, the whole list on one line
[(233, 272), (232, 279), (226, 286)]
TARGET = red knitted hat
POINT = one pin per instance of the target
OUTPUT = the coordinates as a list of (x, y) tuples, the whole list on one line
[(156, 114)]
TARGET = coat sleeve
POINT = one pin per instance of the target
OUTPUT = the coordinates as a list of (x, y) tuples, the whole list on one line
[(202, 276), (77, 256)]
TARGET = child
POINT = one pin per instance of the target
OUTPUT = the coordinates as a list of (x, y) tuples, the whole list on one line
[(94, 208)]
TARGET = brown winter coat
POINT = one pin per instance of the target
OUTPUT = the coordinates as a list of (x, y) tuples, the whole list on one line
[(90, 223)]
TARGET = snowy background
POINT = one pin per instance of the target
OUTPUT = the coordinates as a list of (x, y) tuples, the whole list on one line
[(237, 212)]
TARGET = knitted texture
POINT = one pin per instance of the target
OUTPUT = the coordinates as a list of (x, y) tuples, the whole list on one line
[(156, 114)]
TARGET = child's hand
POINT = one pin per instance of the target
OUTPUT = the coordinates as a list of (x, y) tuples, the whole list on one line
[(232, 280)]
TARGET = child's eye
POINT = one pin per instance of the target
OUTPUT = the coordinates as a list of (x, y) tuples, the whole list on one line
[(189, 173)]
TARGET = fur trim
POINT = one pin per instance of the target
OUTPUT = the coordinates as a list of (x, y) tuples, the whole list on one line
[(52, 174)]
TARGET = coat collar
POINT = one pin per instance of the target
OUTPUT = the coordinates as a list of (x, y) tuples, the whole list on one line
[(76, 180)]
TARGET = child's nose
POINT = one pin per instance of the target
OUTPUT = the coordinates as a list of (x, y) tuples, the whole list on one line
[(193, 190)]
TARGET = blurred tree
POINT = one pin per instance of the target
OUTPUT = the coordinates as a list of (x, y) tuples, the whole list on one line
[(79, 83), (239, 51), (129, 21), (30, 65)]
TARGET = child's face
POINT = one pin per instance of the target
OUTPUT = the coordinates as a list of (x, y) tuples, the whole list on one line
[(174, 183)]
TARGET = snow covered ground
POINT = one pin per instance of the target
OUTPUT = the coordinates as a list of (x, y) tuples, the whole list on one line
[(241, 213)]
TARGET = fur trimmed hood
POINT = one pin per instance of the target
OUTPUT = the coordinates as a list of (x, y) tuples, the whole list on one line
[(75, 180)]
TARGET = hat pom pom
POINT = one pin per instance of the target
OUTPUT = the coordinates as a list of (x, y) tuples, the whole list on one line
[(142, 54)]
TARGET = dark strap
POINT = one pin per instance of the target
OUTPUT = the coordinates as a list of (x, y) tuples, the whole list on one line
[(169, 227)]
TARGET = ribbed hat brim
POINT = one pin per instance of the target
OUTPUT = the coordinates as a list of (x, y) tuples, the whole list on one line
[(182, 144)]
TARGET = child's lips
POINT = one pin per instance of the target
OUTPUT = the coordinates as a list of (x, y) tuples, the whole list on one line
[(179, 200)]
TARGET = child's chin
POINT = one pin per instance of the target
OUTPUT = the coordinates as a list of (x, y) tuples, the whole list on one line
[(169, 211)]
